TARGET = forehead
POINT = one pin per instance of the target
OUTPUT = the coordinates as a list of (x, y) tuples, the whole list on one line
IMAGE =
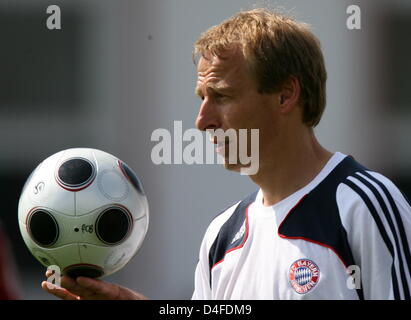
[(227, 60), (229, 69)]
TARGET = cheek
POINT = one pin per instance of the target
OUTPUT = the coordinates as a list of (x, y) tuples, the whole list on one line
[(250, 111), (240, 115)]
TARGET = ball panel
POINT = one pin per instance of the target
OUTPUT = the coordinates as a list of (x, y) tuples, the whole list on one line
[(43, 227), (44, 258), (113, 225), (137, 235), (83, 270), (78, 229), (41, 190), (87, 199), (76, 172), (131, 176), (112, 185), (64, 255), (110, 258)]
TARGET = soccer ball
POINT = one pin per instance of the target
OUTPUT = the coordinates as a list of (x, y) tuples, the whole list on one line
[(84, 211)]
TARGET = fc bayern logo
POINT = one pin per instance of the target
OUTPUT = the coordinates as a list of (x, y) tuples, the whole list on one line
[(304, 275)]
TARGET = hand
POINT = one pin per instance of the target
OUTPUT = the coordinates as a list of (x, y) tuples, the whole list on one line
[(83, 288)]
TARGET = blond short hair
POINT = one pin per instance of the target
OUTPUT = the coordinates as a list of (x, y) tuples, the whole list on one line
[(275, 48)]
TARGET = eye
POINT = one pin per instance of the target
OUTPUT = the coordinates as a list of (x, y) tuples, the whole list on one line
[(218, 96)]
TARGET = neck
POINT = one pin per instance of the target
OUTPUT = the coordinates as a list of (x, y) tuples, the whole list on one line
[(283, 173)]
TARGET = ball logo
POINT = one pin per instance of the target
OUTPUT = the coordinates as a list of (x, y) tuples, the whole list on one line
[(38, 187), (304, 275)]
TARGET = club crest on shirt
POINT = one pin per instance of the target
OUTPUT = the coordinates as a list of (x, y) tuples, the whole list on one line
[(303, 275)]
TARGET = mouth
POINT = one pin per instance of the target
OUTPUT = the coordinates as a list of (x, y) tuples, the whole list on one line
[(221, 147), (221, 144)]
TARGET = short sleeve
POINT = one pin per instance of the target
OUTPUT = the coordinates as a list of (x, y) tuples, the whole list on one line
[(377, 219)]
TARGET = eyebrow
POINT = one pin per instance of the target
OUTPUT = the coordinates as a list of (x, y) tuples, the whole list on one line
[(197, 91), (214, 88)]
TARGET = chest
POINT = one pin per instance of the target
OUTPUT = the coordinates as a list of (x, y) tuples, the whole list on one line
[(266, 266)]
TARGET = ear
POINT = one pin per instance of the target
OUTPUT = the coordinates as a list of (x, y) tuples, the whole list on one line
[(289, 94)]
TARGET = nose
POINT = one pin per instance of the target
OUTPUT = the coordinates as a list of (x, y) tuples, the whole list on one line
[(208, 116)]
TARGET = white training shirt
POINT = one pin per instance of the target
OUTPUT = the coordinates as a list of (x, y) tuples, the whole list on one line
[(347, 218)]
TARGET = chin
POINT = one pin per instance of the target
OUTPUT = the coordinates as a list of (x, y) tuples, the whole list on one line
[(243, 169), (233, 167)]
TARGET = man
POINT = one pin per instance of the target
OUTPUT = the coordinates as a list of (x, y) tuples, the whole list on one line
[(318, 216)]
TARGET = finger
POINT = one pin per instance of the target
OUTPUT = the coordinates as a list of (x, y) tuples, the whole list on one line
[(49, 273), (72, 286), (101, 289), (58, 291)]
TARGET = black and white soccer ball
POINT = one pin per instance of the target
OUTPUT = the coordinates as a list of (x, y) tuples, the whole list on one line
[(84, 211)]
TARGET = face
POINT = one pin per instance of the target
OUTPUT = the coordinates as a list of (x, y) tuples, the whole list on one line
[(230, 100)]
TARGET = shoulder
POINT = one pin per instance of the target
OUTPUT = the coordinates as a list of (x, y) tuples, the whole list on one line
[(371, 191), (372, 207), (215, 225), (377, 219), (354, 184), (228, 216)]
